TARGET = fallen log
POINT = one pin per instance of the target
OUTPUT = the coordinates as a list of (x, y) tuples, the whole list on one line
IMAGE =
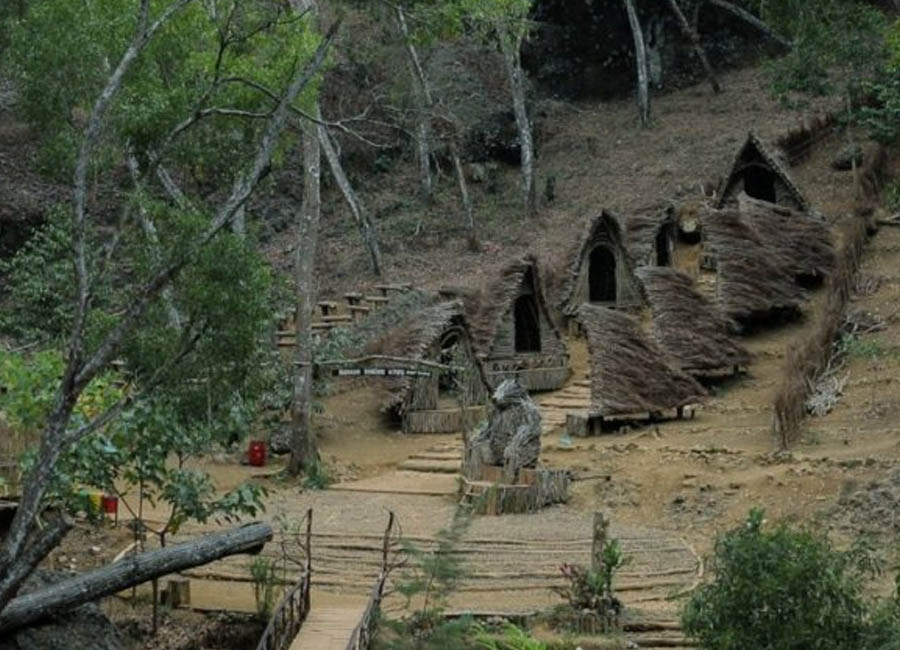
[(132, 570)]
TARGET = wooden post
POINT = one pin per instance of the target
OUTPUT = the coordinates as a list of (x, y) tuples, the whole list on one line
[(600, 532)]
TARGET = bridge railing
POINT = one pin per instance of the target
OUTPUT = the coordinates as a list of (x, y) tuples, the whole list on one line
[(364, 633), (293, 609)]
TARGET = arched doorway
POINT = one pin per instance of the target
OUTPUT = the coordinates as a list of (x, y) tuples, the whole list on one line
[(663, 245), (527, 324), (759, 182), (602, 275)]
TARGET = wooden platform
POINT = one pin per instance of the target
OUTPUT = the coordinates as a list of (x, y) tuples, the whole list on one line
[(328, 628)]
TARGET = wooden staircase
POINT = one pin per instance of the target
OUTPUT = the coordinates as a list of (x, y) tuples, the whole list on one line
[(574, 397)]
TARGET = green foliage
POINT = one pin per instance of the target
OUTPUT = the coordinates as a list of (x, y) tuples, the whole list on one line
[(61, 53), (318, 476), (30, 383), (264, 574), (590, 591), (881, 115), (781, 587), (827, 35), (432, 577), (513, 638)]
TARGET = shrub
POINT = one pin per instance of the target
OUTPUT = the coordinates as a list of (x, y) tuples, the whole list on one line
[(783, 588)]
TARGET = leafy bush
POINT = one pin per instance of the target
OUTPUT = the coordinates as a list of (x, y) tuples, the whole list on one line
[(318, 476), (590, 591), (514, 638), (780, 588), (264, 574)]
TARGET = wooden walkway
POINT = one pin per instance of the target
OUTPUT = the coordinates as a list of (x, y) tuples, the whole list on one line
[(328, 627)]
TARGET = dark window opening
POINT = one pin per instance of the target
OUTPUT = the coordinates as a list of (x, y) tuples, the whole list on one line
[(663, 242), (527, 324), (602, 275), (759, 183)]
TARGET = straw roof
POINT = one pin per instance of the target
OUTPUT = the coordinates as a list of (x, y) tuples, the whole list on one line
[(802, 244), (629, 372), (754, 151), (688, 326), (383, 320), (415, 338), (487, 308), (641, 230), (605, 226), (752, 279)]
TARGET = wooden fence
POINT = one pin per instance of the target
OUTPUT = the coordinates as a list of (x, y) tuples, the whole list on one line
[(365, 631), (294, 606)]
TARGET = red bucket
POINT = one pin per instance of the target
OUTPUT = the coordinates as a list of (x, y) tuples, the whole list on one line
[(256, 453), (110, 504)]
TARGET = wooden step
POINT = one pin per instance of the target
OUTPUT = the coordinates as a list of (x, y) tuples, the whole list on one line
[(436, 466)]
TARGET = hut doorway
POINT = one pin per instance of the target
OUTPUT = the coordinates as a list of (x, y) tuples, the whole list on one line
[(602, 275), (663, 245), (759, 182), (527, 324)]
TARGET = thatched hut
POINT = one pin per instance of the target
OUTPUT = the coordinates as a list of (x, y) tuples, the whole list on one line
[(598, 269), (689, 327), (513, 331), (630, 374), (800, 243), (650, 236), (450, 390), (752, 281), (762, 175)]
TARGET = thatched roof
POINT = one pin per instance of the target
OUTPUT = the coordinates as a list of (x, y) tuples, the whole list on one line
[(385, 319), (752, 279), (754, 151), (487, 308), (414, 338), (641, 230), (687, 325), (606, 225), (801, 243), (629, 372)]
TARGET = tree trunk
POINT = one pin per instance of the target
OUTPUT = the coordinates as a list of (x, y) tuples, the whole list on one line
[(694, 38), (423, 111), (471, 234), (421, 80), (749, 18), (512, 57), (360, 215), (17, 551), (303, 445), (132, 570), (640, 55)]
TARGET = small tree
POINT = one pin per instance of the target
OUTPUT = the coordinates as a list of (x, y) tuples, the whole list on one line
[(780, 588)]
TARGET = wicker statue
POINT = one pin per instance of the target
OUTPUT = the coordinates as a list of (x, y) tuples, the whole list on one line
[(511, 437)]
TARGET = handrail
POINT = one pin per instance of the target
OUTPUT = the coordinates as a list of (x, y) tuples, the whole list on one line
[(364, 633), (293, 609)]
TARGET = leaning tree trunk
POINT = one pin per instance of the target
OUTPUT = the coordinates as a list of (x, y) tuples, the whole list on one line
[(750, 19), (640, 55), (131, 570), (423, 110), (694, 38), (303, 445), (360, 215), (424, 90), (512, 58)]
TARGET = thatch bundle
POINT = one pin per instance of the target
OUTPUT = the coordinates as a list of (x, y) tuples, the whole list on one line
[(512, 435), (418, 337), (753, 151), (629, 372), (641, 230), (799, 243), (687, 325), (751, 278), (380, 322)]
